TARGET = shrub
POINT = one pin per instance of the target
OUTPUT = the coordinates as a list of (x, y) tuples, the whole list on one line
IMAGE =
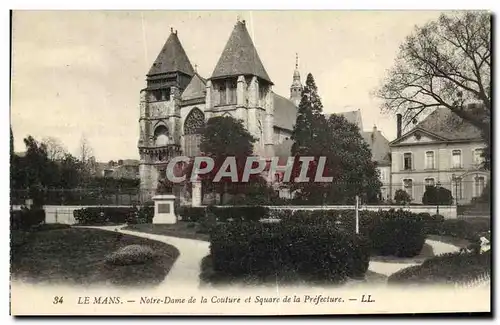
[(51, 226), (401, 197), (437, 196), (391, 232), (465, 229), (207, 222), (430, 223), (145, 214), (452, 268), (192, 214), (115, 215), (131, 254), (243, 213), (261, 250), (26, 218), (398, 233)]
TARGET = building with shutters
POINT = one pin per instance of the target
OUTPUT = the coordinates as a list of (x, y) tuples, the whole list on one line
[(442, 150)]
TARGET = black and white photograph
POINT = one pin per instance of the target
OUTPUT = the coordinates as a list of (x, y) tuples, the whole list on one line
[(234, 162)]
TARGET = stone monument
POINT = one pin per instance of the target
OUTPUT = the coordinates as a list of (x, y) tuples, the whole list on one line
[(164, 204)]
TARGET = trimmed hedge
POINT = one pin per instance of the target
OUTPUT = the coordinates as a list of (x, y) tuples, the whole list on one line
[(192, 214), (116, 215), (26, 218), (391, 232), (265, 249), (465, 229), (224, 214), (244, 213), (451, 268)]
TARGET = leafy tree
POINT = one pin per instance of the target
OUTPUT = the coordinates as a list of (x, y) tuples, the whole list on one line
[(437, 196), (309, 118), (224, 137), (348, 157), (445, 63), (401, 197)]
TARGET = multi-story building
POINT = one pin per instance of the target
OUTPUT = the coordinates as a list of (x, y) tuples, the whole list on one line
[(441, 150)]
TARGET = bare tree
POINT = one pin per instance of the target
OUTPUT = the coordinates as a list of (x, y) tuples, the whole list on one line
[(445, 63), (55, 148), (85, 150), (87, 158)]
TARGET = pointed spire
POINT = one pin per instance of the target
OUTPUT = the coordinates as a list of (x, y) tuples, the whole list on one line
[(296, 87), (239, 56), (172, 58)]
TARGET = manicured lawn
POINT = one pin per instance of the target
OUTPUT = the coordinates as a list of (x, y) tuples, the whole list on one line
[(77, 256), (180, 229)]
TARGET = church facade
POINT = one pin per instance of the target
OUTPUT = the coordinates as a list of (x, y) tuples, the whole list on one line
[(177, 102)]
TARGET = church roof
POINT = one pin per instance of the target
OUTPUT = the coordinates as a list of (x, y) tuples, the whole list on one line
[(240, 56), (172, 58), (353, 117), (195, 88), (285, 112), (379, 146)]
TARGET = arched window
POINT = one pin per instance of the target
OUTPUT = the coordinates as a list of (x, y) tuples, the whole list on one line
[(161, 135), (193, 127)]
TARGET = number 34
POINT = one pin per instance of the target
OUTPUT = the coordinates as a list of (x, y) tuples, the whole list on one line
[(57, 300)]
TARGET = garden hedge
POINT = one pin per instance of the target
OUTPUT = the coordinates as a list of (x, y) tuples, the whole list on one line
[(26, 218), (451, 268), (191, 214), (224, 214), (391, 232), (263, 249), (115, 215), (464, 229)]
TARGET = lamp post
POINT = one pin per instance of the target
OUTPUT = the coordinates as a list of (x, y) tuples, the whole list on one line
[(438, 185), (454, 180)]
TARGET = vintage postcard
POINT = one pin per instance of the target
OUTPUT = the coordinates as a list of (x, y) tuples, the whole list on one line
[(250, 162)]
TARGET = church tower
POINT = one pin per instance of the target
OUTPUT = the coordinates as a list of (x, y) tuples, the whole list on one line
[(296, 87), (240, 87), (160, 119)]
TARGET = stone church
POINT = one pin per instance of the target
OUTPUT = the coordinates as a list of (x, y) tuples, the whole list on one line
[(177, 101)]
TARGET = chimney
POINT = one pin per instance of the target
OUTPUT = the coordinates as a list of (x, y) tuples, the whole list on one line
[(399, 118)]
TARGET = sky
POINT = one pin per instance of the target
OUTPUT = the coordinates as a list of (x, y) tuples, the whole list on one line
[(78, 73)]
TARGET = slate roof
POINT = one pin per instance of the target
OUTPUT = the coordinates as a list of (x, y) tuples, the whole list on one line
[(353, 117), (195, 88), (285, 112), (172, 58), (240, 57), (446, 124), (379, 146)]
